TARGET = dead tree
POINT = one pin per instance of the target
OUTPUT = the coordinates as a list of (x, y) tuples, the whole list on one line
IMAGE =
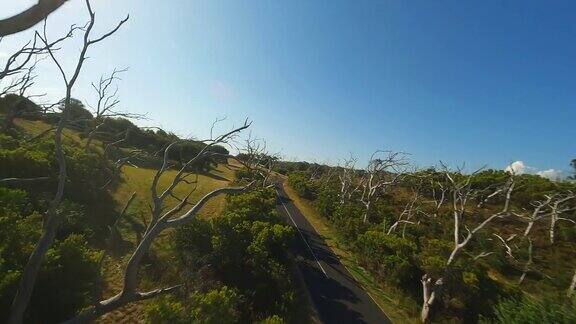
[(461, 196), (29, 17), (438, 195), (379, 176), (347, 177), (18, 71), (20, 104), (106, 103), (572, 286), (558, 208), (552, 207), (411, 209), (52, 217), (539, 212), (162, 218)]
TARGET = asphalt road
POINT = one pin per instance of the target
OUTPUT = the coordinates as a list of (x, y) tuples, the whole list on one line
[(337, 297)]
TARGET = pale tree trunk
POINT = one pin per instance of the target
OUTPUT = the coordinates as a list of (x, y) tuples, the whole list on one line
[(529, 228), (553, 227), (572, 286), (430, 291), (367, 211)]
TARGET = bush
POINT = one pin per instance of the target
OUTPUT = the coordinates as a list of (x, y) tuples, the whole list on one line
[(327, 201), (166, 310), (216, 306), (70, 272), (245, 249), (299, 181), (530, 310), (390, 256)]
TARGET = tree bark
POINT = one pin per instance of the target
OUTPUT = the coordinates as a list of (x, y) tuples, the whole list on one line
[(29, 17), (572, 286), (430, 291), (50, 226)]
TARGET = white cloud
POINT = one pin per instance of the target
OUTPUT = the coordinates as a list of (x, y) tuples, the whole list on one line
[(517, 167), (551, 174)]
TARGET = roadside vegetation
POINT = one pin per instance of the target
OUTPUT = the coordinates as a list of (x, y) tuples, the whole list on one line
[(473, 245)]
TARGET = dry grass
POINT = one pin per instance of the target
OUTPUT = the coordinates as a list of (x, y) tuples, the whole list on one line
[(389, 299)]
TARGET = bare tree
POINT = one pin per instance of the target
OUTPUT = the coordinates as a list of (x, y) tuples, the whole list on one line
[(19, 105), (162, 218), (29, 17), (558, 208), (51, 218), (379, 176), (572, 286), (411, 209), (439, 191), (539, 212), (106, 104), (347, 176), (19, 71), (461, 196)]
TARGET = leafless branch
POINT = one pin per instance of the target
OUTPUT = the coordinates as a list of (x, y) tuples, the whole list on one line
[(51, 217)]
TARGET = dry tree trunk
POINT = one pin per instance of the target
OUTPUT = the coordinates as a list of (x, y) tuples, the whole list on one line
[(51, 217), (29, 17), (572, 286), (430, 292)]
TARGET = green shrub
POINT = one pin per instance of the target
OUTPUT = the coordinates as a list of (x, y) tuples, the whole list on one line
[(299, 181), (390, 256), (245, 249), (529, 310), (219, 306), (166, 310)]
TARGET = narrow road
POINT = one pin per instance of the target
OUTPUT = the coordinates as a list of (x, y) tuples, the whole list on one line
[(334, 292)]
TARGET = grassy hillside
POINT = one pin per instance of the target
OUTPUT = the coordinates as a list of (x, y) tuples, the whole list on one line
[(137, 179)]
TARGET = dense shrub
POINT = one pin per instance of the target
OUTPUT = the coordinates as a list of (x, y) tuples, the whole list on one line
[(390, 256), (69, 273), (86, 172), (167, 310), (530, 310), (218, 306), (327, 201), (245, 249), (299, 181)]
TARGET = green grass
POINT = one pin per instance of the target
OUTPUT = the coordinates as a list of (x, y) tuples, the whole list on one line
[(139, 180), (398, 307)]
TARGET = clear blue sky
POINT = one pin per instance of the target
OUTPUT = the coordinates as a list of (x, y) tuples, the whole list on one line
[(481, 82)]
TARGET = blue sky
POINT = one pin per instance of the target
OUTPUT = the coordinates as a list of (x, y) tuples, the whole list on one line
[(483, 82)]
